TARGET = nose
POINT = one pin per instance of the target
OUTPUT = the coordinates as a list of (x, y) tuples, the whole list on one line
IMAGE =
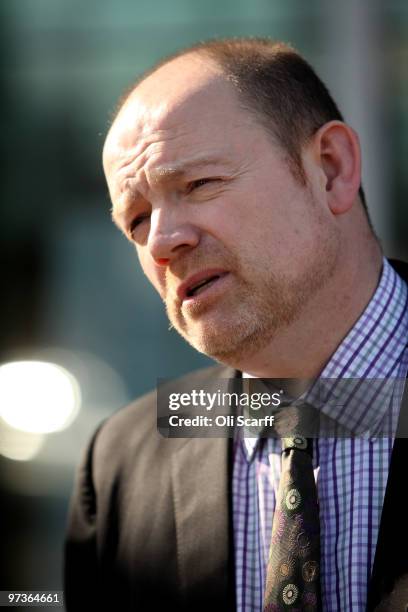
[(170, 235)]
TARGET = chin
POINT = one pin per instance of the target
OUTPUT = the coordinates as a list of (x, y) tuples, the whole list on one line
[(229, 344)]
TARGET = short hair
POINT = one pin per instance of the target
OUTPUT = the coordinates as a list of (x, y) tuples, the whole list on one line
[(275, 83)]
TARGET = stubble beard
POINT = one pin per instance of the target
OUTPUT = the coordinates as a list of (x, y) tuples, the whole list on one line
[(258, 309)]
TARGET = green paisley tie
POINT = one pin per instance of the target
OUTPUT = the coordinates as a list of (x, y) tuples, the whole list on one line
[(293, 581)]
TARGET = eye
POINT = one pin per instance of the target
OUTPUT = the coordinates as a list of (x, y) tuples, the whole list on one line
[(199, 183), (136, 222)]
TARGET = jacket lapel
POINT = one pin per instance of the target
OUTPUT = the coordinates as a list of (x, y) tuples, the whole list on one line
[(200, 476)]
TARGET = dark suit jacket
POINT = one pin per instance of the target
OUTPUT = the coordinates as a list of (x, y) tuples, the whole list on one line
[(150, 521)]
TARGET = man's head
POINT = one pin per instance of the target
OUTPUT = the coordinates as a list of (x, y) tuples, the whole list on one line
[(228, 165)]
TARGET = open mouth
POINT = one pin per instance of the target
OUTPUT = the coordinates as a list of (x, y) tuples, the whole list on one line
[(201, 285)]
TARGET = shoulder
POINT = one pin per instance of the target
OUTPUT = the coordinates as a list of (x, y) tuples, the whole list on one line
[(139, 418), (130, 435)]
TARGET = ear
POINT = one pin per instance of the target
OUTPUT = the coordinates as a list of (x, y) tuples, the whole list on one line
[(337, 152)]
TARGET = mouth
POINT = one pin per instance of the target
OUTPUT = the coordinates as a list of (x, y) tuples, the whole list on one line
[(199, 283)]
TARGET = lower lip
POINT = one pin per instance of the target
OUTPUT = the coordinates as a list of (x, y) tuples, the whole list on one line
[(209, 293)]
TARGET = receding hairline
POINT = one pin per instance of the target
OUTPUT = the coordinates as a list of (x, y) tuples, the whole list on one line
[(210, 50)]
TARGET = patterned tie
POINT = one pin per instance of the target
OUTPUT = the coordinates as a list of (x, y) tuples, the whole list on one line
[(293, 581)]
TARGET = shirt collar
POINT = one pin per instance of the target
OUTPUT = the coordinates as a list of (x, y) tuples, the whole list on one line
[(373, 349)]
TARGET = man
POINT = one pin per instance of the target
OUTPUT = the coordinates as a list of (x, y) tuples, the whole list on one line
[(232, 172)]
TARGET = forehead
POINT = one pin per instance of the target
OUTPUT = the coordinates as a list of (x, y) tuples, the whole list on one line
[(184, 104)]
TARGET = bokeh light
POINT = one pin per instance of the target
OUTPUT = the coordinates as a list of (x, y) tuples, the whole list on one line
[(19, 445), (38, 397)]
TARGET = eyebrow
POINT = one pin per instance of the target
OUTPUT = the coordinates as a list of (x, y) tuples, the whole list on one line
[(164, 174)]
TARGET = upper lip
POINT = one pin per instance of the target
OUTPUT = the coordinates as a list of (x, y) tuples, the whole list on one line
[(197, 278)]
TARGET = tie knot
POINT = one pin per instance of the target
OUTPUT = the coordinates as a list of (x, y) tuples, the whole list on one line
[(297, 422), (298, 442)]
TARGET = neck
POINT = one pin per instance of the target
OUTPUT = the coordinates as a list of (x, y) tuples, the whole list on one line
[(302, 349)]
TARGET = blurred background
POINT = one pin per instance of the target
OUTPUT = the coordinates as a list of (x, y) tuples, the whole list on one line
[(81, 331)]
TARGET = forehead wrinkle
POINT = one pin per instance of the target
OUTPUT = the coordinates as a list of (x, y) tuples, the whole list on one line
[(130, 160), (123, 147)]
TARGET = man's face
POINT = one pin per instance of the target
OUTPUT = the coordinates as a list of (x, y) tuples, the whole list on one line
[(233, 243)]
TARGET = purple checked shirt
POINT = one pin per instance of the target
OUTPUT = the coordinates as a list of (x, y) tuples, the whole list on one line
[(351, 473)]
